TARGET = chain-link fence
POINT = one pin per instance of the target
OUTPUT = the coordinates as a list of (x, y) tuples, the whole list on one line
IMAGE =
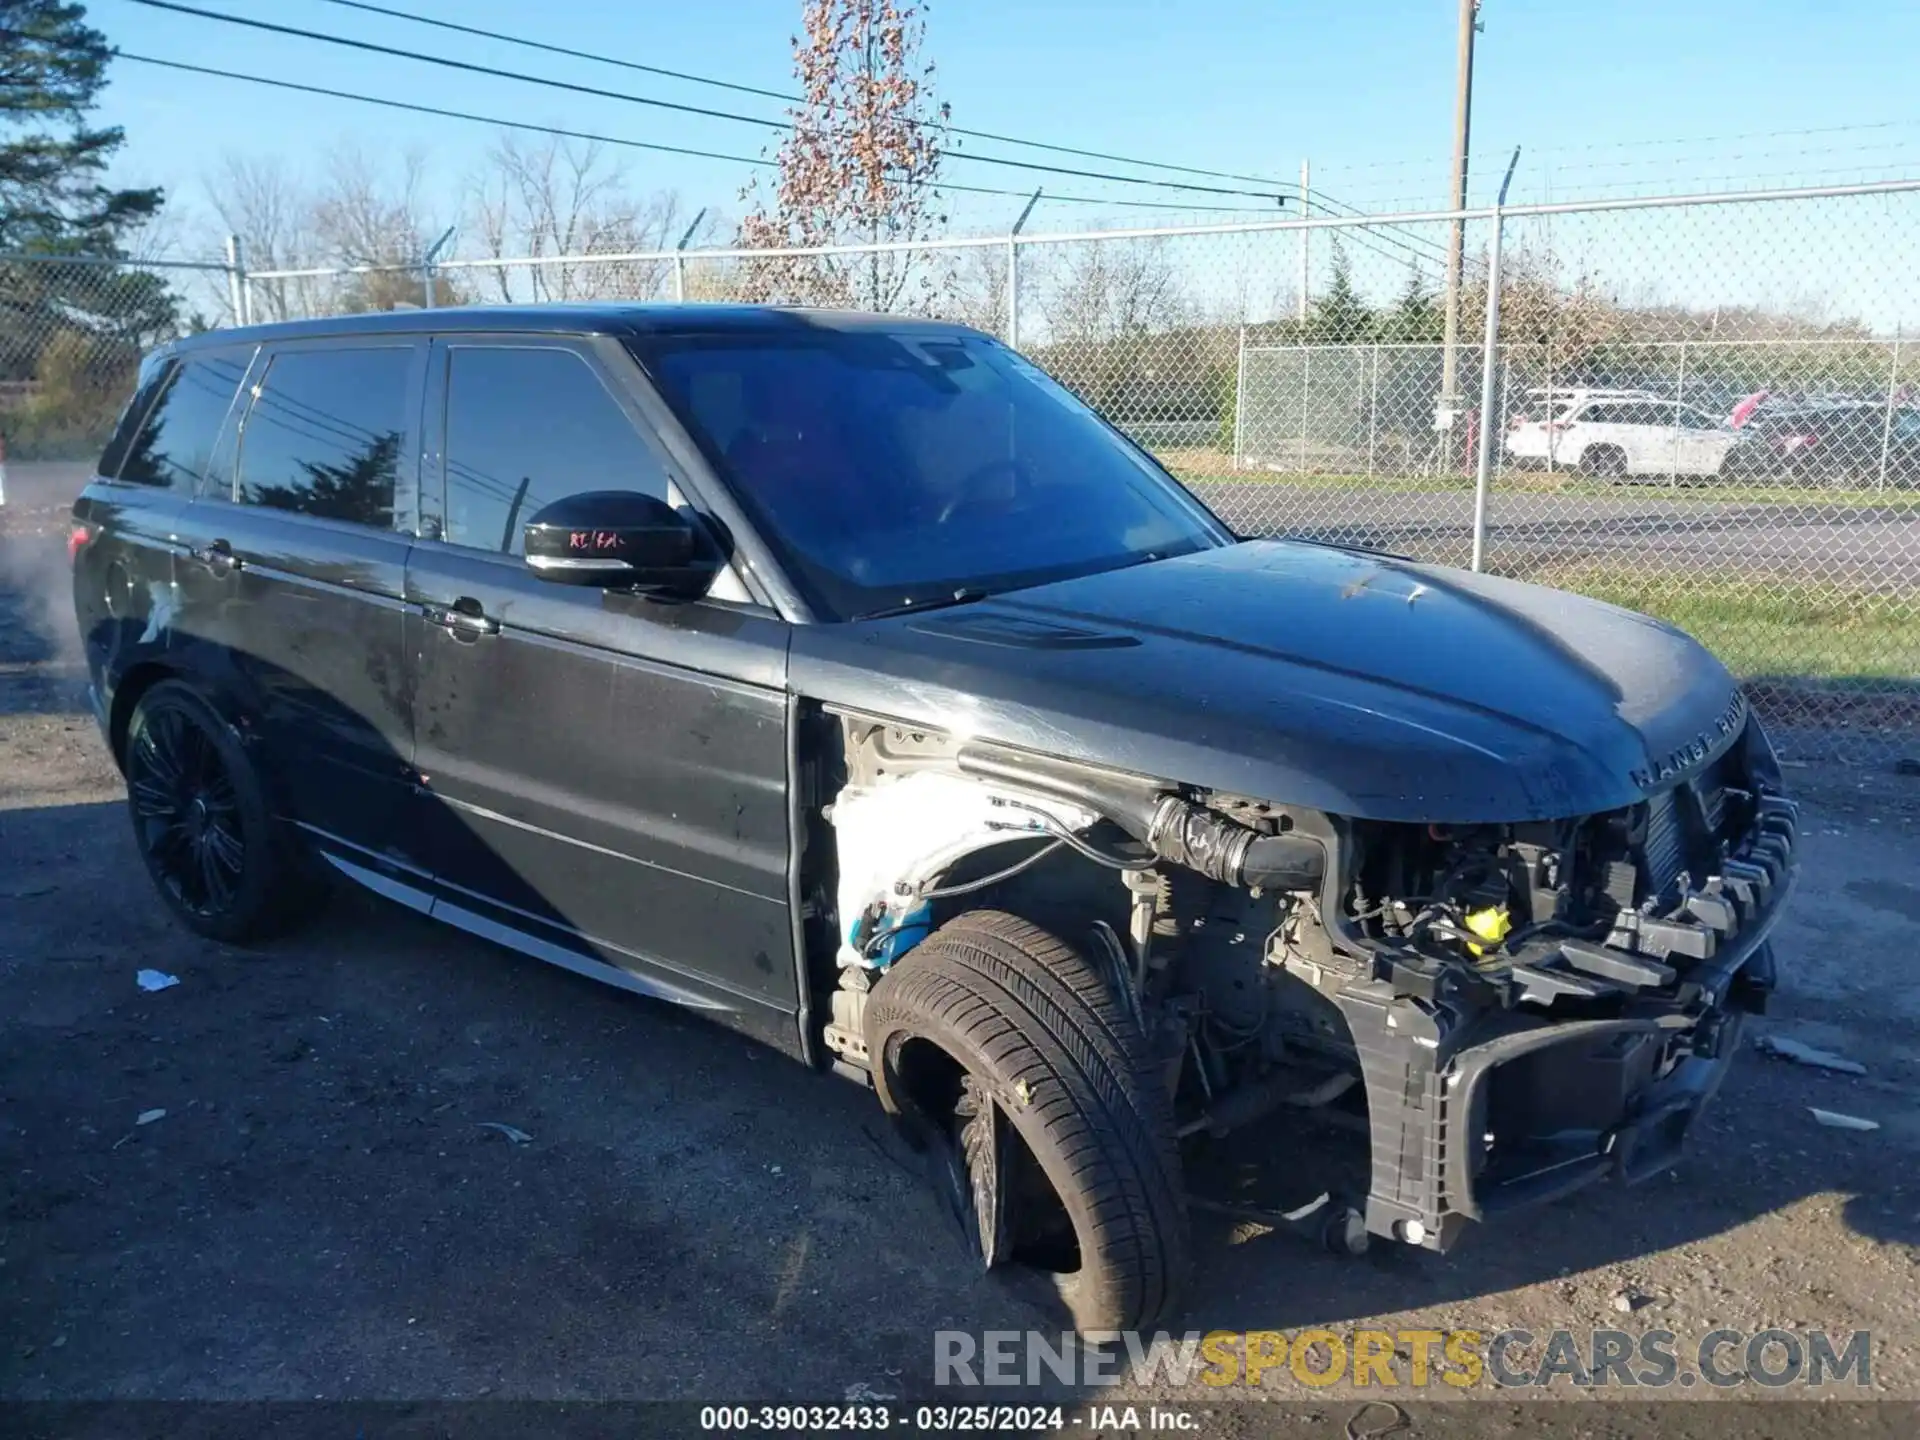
[(72, 332), (1706, 408)]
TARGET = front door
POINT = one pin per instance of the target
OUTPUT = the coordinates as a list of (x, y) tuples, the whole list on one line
[(289, 573), (602, 775)]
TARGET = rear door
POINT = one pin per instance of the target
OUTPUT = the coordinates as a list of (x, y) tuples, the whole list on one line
[(603, 776), (291, 570), (1586, 426), (149, 474)]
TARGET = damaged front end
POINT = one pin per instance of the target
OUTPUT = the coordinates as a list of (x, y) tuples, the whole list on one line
[(1542, 1005), (1509, 1010)]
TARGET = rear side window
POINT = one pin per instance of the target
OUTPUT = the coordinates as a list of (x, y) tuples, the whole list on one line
[(187, 404), (526, 426), (325, 432), (154, 374)]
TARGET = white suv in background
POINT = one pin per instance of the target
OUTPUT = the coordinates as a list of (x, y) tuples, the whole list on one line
[(1619, 433)]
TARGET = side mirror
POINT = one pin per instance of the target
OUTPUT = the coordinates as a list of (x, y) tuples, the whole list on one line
[(615, 539)]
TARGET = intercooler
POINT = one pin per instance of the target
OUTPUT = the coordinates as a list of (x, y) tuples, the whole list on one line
[(1681, 821)]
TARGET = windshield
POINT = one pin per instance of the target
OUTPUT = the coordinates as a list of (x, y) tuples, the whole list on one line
[(897, 470)]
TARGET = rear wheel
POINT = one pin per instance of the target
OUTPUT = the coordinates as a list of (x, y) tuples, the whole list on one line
[(221, 861), (1606, 462), (1014, 1066)]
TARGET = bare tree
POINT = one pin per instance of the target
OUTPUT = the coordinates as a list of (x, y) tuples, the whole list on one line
[(859, 165), (272, 216), (1111, 309), (366, 215), (976, 285), (361, 215), (559, 198)]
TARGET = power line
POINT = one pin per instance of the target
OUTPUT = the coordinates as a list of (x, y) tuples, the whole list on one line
[(447, 62), (781, 96), (1388, 233), (588, 135)]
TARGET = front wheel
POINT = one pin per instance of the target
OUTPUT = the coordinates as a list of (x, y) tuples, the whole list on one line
[(1009, 1060), (221, 860), (1604, 462)]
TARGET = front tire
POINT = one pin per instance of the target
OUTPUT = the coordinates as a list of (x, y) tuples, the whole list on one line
[(223, 863), (1006, 1057), (1604, 462)]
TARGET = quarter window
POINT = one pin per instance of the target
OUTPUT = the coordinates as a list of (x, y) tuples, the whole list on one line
[(527, 426), (175, 445), (325, 433)]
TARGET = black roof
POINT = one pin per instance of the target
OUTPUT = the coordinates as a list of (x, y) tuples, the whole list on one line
[(610, 319)]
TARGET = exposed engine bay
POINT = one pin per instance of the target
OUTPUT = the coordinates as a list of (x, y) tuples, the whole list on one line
[(1511, 1010)]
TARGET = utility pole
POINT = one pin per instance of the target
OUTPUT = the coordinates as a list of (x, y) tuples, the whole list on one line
[(1306, 239), (1456, 245)]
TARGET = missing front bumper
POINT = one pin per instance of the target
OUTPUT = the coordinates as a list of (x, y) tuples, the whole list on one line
[(1515, 1108)]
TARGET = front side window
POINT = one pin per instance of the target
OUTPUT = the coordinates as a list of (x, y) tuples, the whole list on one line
[(175, 444), (893, 470), (527, 426), (1643, 413), (324, 435)]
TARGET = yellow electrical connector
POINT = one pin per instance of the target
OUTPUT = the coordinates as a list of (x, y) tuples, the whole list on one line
[(1491, 924)]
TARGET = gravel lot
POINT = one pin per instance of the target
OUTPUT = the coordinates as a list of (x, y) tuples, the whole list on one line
[(322, 1210)]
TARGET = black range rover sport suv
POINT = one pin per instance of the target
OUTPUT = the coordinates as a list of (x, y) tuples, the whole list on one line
[(847, 680)]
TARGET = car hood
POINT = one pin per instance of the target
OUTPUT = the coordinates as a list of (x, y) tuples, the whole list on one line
[(1354, 683)]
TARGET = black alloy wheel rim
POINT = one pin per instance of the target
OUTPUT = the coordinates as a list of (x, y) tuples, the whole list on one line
[(187, 813)]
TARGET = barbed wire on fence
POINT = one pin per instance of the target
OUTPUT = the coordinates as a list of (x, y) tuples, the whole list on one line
[(1703, 407)]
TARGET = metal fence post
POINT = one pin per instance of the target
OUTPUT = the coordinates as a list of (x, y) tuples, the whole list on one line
[(1886, 426), (1489, 348), (1013, 295), (1546, 413), (1679, 398), (680, 258), (1013, 271), (1306, 395), (1489, 353), (1373, 410), (1306, 239), (1240, 400), (426, 263), (237, 292)]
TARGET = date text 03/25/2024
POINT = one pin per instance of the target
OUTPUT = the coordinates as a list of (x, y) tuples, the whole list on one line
[(959, 1419)]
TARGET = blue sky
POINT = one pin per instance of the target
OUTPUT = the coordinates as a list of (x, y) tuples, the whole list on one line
[(1608, 97), (1595, 89)]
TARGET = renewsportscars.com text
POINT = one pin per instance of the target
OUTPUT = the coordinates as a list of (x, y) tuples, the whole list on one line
[(1411, 1359)]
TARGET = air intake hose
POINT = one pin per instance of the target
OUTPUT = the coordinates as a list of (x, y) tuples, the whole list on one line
[(1225, 850), (1174, 829)]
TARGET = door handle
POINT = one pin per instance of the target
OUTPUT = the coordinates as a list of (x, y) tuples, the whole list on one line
[(217, 556), (464, 620)]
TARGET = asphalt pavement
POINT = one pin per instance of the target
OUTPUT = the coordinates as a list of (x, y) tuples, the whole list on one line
[(1636, 528)]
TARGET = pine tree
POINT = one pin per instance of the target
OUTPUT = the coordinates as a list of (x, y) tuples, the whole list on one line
[(72, 331), (1416, 315), (1339, 316), (52, 163)]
